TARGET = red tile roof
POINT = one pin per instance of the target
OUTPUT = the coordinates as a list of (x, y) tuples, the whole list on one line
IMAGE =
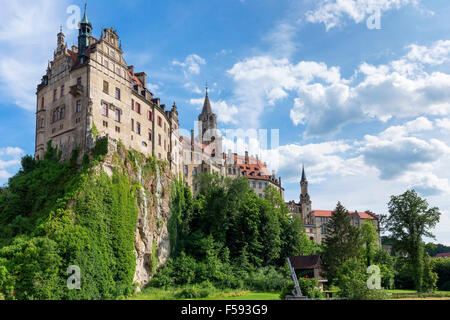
[(327, 213), (443, 255)]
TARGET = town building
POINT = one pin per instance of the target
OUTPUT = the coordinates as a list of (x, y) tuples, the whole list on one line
[(89, 92), (315, 221), (203, 154)]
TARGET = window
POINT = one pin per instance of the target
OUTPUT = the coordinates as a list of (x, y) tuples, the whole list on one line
[(159, 121), (164, 145), (42, 103), (138, 107), (117, 114), (78, 106), (254, 184), (118, 71), (229, 170), (62, 113), (106, 64), (105, 87), (194, 172), (138, 128), (79, 81), (149, 115), (105, 109), (265, 184), (55, 115), (195, 187), (144, 144), (54, 94), (132, 104), (105, 124), (132, 127), (159, 155), (149, 135), (185, 169), (159, 139), (260, 185), (117, 129), (260, 196), (164, 127), (62, 91), (117, 93), (42, 122)]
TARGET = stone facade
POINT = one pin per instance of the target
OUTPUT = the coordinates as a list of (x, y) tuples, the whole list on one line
[(315, 221), (90, 92)]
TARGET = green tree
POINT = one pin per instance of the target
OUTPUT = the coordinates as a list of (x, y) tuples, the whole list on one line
[(343, 242), (411, 218), (370, 240)]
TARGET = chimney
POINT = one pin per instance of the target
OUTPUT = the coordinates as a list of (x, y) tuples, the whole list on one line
[(131, 70), (279, 179), (142, 76), (246, 157)]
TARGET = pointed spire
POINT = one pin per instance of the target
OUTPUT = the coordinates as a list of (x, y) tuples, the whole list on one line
[(207, 104), (303, 175), (85, 19)]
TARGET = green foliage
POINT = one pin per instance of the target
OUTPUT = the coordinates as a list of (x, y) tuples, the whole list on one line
[(433, 249), (308, 286), (370, 240), (52, 216), (442, 267), (410, 218), (100, 148), (352, 282), (343, 242), (230, 237)]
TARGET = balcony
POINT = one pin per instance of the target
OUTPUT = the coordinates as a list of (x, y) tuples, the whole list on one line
[(76, 90)]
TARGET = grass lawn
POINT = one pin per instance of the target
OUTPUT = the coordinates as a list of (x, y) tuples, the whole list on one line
[(413, 295), (162, 294)]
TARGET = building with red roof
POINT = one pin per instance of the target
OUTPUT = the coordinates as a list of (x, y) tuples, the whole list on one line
[(315, 221)]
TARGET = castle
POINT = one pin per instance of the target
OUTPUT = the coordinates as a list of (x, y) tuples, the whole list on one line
[(90, 92), (315, 221)]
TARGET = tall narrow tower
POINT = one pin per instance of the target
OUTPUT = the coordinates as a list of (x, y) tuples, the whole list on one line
[(207, 122), (84, 33), (305, 201)]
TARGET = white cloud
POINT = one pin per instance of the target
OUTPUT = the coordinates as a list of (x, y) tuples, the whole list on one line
[(29, 30), (9, 161), (333, 12), (225, 113), (191, 65)]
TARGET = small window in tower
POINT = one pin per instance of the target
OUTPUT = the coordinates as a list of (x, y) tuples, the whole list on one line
[(78, 106), (105, 109), (117, 114), (105, 87), (138, 128), (117, 93)]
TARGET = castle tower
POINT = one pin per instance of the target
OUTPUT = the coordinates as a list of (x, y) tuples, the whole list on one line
[(305, 201), (208, 127), (207, 121), (84, 33)]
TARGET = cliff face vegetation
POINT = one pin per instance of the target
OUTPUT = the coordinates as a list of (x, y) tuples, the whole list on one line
[(108, 217)]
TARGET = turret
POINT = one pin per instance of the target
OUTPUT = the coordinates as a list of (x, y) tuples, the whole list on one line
[(84, 33)]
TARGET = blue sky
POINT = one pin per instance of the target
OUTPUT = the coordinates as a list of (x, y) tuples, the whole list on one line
[(366, 110)]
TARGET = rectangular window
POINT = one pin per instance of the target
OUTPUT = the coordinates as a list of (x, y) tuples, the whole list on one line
[(164, 145), (78, 106), (194, 172), (42, 123), (150, 135), (62, 113), (164, 127), (138, 107), (117, 93), (159, 121), (42, 103), (118, 129), (117, 113), (55, 115), (54, 94), (106, 64), (185, 169), (105, 109), (159, 139), (132, 104), (132, 126), (105, 124), (62, 91), (105, 87), (138, 128)]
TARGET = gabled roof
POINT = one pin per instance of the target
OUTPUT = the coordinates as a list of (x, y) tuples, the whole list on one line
[(306, 262), (443, 255), (328, 213)]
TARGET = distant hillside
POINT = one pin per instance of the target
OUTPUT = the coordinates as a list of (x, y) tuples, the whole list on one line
[(107, 216)]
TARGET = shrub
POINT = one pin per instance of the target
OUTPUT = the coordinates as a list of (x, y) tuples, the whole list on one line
[(442, 267)]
